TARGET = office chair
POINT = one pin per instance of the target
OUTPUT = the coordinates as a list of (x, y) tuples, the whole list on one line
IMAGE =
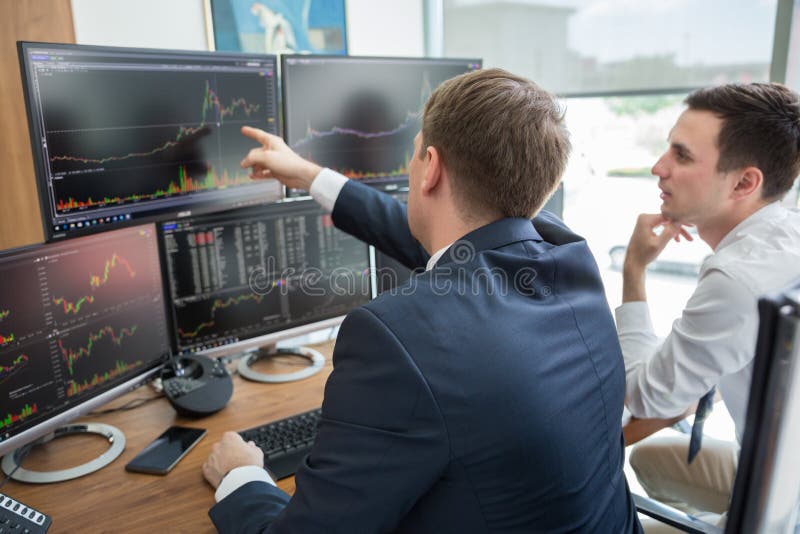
[(767, 486)]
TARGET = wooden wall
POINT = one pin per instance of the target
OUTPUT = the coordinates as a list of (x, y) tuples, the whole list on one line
[(22, 20)]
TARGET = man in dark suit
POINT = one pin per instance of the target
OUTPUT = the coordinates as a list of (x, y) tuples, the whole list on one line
[(486, 394)]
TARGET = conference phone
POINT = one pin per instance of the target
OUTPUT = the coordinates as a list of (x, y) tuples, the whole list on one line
[(196, 385)]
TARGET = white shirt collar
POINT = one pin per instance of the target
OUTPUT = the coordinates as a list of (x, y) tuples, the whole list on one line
[(770, 211), (436, 256)]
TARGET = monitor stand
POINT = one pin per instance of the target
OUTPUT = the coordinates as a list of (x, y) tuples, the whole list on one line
[(316, 362), (12, 462)]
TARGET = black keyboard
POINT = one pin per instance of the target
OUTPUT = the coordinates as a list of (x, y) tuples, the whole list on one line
[(17, 518), (286, 442)]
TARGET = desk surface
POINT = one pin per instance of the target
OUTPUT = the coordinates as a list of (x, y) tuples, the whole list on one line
[(114, 500)]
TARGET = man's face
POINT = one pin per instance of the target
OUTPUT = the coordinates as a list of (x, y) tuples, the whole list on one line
[(693, 191)]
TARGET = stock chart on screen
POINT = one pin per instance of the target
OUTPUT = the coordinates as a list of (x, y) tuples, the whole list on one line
[(242, 274), (123, 135), (77, 318), (359, 115)]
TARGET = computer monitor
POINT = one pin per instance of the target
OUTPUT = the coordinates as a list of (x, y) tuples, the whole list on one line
[(359, 115), (767, 487), (247, 278), (81, 322), (122, 136)]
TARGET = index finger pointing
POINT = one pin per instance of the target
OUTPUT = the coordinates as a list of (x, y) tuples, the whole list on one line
[(256, 135)]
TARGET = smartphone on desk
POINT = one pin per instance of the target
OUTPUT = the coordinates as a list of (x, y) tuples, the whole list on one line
[(166, 450)]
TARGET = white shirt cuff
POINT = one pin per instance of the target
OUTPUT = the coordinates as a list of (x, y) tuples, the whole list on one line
[(633, 317), (240, 476), (326, 187)]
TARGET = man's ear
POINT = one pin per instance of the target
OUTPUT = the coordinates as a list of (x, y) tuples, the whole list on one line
[(433, 170), (749, 183)]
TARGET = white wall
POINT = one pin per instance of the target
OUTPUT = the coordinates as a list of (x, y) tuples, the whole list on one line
[(375, 27), (385, 28), (175, 24)]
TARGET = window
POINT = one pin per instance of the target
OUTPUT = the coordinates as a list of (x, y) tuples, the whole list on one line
[(616, 141), (579, 46)]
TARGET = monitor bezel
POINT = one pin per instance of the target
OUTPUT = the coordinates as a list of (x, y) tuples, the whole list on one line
[(50, 425), (267, 339), (148, 372), (773, 377), (40, 167)]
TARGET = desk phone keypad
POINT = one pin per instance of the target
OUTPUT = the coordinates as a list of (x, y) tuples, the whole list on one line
[(16, 518), (177, 387)]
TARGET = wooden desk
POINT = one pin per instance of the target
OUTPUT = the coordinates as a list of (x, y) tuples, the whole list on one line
[(114, 500)]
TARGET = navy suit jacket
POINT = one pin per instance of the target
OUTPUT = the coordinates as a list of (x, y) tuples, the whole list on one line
[(484, 395)]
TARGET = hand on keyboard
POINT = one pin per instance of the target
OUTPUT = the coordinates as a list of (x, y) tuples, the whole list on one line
[(285, 443), (228, 454)]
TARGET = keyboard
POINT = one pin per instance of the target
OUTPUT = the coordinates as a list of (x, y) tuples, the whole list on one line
[(286, 442), (16, 518)]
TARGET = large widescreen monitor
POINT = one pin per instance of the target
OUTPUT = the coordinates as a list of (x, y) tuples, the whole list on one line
[(122, 136), (81, 321), (248, 277), (359, 115)]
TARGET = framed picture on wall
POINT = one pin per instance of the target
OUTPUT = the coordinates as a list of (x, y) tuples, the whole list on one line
[(277, 26)]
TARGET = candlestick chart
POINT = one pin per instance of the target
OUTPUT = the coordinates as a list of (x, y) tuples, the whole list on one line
[(87, 315), (71, 355), (127, 137), (238, 312), (21, 309), (76, 387), (13, 366), (91, 354), (105, 277), (95, 281), (9, 336), (28, 381), (9, 419)]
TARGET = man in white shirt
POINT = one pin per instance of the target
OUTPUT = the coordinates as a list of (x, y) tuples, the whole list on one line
[(732, 156)]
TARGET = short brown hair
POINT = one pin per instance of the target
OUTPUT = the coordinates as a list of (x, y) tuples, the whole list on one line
[(760, 128), (502, 137)]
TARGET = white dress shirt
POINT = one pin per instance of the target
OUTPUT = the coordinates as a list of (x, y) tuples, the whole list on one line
[(713, 342), (325, 190)]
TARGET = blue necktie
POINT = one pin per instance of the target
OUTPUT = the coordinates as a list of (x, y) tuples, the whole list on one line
[(704, 407)]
